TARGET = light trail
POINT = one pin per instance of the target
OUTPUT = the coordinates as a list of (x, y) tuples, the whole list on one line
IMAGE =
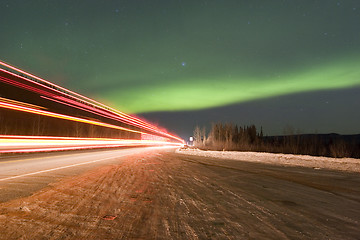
[(61, 116), (6, 104), (20, 103), (21, 144), (130, 119), (60, 95)]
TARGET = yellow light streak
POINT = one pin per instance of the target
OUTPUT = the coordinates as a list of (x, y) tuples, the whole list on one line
[(21, 103), (61, 116)]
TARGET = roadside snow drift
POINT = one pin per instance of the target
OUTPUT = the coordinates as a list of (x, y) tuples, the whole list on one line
[(343, 164)]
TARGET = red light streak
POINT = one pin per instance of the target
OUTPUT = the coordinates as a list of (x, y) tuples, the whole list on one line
[(71, 118), (82, 102), (61, 116), (76, 94)]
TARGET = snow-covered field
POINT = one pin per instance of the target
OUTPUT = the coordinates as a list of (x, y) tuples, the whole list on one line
[(343, 164)]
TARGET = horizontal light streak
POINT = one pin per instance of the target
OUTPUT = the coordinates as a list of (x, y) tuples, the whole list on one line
[(16, 144), (51, 137)]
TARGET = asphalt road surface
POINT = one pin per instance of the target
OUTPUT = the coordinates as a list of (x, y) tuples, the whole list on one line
[(24, 174), (159, 194)]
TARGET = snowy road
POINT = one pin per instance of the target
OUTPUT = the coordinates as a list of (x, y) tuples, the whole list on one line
[(165, 195)]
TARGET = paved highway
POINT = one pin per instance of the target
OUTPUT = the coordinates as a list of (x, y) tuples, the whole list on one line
[(21, 175), (160, 194)]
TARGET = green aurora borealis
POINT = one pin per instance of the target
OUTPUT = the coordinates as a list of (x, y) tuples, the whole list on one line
[(198, 93), (176, 55)]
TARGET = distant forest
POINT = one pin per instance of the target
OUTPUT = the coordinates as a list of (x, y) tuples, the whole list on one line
[(230, 137)]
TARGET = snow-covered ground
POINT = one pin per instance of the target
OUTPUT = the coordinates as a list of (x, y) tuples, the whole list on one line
[(343, 164)]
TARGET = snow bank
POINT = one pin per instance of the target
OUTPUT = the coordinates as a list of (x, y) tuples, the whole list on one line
[(343, 164)]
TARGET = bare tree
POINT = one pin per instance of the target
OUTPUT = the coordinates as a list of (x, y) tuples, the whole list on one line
[(197, 136)]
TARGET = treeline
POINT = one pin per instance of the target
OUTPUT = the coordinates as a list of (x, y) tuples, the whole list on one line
[(230, 137)]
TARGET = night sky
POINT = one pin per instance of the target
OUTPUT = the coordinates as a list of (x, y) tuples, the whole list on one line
[(279, 64)]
